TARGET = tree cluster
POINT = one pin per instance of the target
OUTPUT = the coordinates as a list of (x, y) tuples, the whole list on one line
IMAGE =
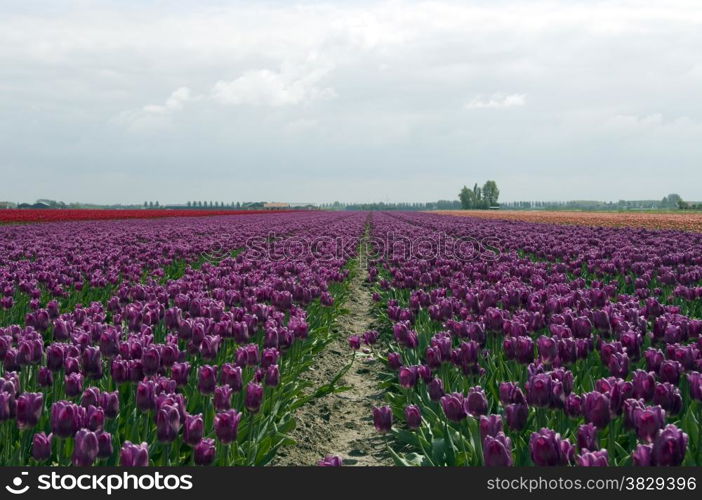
[(479, 198)]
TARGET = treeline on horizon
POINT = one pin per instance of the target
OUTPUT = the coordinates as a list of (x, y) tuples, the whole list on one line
[(477, 198)]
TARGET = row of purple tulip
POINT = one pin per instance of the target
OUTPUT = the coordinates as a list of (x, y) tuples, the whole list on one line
[(542, 338), (200, 369)]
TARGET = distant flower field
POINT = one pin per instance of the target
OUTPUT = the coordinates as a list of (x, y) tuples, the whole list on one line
[(683, 221), (49, 215)]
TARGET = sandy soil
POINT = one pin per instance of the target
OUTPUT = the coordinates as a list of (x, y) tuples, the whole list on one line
[(341, 424)]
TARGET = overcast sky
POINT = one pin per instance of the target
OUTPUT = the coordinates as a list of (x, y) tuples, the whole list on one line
[(126, 101)]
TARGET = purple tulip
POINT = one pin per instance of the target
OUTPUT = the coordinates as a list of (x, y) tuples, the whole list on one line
[(424, 373), (71, 365), (643, 455), (454, 407), (109, 401), (66, 418), (207, 379), (94, 418), (668, 397), (516, 415), (394, 360), (413, 416), (54, 357), (370, 337), (620, 391), (435, 388), (85, 448), (180, 372), (433, 357), (91, 396), (168, 423), (232, 376), (539, 389), (490, 425), (654, 358), (204, 452), (648, 421), (524, 350), (41, 447), (226, 425), (272, 376), (104, 445), (548, 449), (134, 455), (45, 377), (193, 429), (408, 376), (694, 380), (331, 461), (497, 450), (548, 349), (582, 327), (593, 459), (476, 402), (573, 406), (254, 397), (91, 362), (510, 392), (269, 357), (618, 364), (596, 408), (145, 396), (644, 384), (382, 418), (222, 398), (629, 407), (669, 447), (354, 342), (73, 384), (670, 371), (29, 408), (587, 437)]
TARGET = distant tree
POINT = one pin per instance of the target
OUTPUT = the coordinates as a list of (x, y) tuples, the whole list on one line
[(156, 204), (189, 204), (671, 201), (477, 196), (467, 198), (490, 193)]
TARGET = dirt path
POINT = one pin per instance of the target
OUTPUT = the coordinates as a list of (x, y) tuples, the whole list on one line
[(341, 424)]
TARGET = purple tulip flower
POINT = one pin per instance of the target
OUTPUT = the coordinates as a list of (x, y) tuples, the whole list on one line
[(382, 418)]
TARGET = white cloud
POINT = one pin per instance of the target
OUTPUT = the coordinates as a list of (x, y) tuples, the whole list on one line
[(173, 103), (263, 87), (497, 101), (154, 117), (359, 93)]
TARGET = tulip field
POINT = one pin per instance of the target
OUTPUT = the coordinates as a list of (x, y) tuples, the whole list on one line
[(185, 341), (61, 215)]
